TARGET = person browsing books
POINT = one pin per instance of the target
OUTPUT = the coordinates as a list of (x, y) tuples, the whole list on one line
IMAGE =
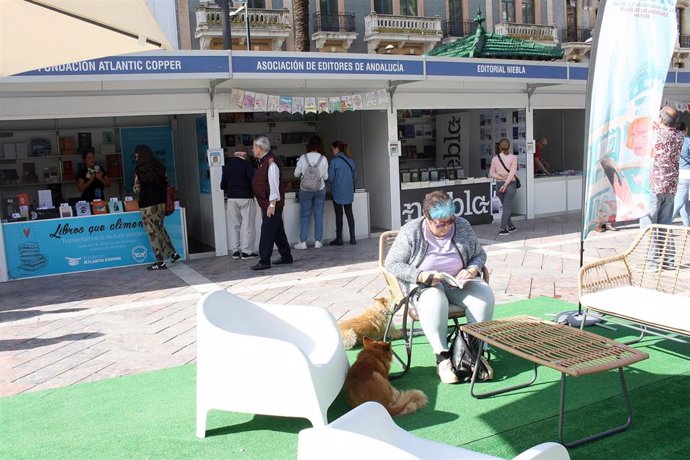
[(427, 249), (503, 170), (312, 168), (92, 179), (341, 175)]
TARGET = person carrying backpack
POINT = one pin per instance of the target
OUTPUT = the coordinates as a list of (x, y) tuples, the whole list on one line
[(312, 167)]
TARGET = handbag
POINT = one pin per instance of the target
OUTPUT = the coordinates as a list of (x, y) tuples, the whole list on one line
[(463, 357), (517, 179), (169, 200)]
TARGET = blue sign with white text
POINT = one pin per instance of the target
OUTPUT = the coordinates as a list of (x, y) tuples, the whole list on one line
[(77, 244), (495, 70), (275, 64), (132, 65)]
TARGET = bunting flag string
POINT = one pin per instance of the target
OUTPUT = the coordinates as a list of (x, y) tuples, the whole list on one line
[(681, 106), (259, 102)]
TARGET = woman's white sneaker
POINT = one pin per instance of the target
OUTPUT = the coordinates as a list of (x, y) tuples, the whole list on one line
[(445, 371), (301, 245), (318, 245)]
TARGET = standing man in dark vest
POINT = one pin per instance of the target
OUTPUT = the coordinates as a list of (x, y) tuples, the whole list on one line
[(270, 194)]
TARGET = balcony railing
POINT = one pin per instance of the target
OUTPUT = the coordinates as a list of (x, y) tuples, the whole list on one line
[(392, 24), (535, 32), (575, 35), (684, 41), (208, 17), (459, 28), (334, 22)]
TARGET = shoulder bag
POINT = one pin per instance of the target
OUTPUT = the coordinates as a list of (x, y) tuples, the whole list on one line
[(169, 199), (517, 179)]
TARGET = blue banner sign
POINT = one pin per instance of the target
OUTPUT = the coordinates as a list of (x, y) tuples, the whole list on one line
[(132, 65), (159, 138), (513, 70), (77, 244), (273, 64)]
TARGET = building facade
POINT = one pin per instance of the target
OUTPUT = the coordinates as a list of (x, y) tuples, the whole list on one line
[(404, 27)]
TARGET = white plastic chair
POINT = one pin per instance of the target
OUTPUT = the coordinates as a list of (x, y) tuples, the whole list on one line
[(283, 360), (368, 431)]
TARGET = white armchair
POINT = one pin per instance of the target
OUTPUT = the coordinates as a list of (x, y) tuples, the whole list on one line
[(368, 431), (284, 360)]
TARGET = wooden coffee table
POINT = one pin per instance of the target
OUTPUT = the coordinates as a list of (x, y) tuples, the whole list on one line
[(568, 350)]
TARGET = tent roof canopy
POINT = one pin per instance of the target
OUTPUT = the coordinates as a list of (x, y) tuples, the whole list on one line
[(492, 45)]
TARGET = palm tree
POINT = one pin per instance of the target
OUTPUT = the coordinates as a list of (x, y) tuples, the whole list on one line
[(300, 13)]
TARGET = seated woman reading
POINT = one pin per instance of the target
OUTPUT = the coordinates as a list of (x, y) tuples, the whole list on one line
[(439, 242)]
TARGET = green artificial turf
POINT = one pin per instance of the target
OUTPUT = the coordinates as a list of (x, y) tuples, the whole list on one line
[(152, 415)]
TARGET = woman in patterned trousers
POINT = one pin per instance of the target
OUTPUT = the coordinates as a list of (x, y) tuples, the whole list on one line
[(151, 183)]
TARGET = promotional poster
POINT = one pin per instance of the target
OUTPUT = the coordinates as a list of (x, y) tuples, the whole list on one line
[(631, 54)]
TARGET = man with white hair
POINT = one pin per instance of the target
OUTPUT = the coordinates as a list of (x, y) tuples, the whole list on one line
[(270, 194)]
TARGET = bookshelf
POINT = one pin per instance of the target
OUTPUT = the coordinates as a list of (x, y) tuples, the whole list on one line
[(417, 135), (32, 159), (288, 141)]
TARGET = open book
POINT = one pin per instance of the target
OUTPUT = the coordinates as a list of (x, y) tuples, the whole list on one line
[(451, 281)]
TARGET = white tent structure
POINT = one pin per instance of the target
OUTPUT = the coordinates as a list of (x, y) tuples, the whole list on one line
[(44, 33)]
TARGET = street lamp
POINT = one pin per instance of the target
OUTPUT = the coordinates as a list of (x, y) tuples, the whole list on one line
[(246, 21), (226, 17)]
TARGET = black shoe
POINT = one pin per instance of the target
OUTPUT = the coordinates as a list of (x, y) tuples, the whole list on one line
[(512, 228), (503, 232), (252, 255), (353, 241), (157, 266), (175, 257), (337, 242), (282, 261), (261, 266), (236, 255)]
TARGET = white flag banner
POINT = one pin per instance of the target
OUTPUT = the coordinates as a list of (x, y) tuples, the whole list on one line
[(631, 54)]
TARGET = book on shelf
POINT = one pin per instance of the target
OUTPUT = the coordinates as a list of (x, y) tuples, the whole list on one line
[(22, 150), (29, 172), (68, 145), (131, 204), (9, 151), (113, 165), (409, 132), (107, 148), (114, 205), (83, 142), (99, 207), (68, 170), (82, 208), (45, 199), (40, 146), (65, 210)]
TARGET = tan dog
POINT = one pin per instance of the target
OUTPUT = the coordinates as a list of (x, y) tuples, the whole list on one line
[(367, 380), (372, 323)]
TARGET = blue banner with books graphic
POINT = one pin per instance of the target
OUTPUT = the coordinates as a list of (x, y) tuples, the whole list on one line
[(77, 244)]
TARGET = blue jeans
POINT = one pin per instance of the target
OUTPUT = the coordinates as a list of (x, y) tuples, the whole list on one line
[(308, 202), (661, 247), (660, 210), (681, 204)]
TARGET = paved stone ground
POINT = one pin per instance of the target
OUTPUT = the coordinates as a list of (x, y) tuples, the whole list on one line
[(61, 330)]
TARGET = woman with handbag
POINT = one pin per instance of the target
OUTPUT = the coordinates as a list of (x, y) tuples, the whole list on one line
[(426, 251), (504, 170), (150, 182)]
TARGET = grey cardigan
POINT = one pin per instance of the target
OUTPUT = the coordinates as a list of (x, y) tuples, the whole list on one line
[(409, 249)]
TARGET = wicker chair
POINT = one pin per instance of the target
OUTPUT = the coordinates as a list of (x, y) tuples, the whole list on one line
[(399, 301), (648, 286)]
